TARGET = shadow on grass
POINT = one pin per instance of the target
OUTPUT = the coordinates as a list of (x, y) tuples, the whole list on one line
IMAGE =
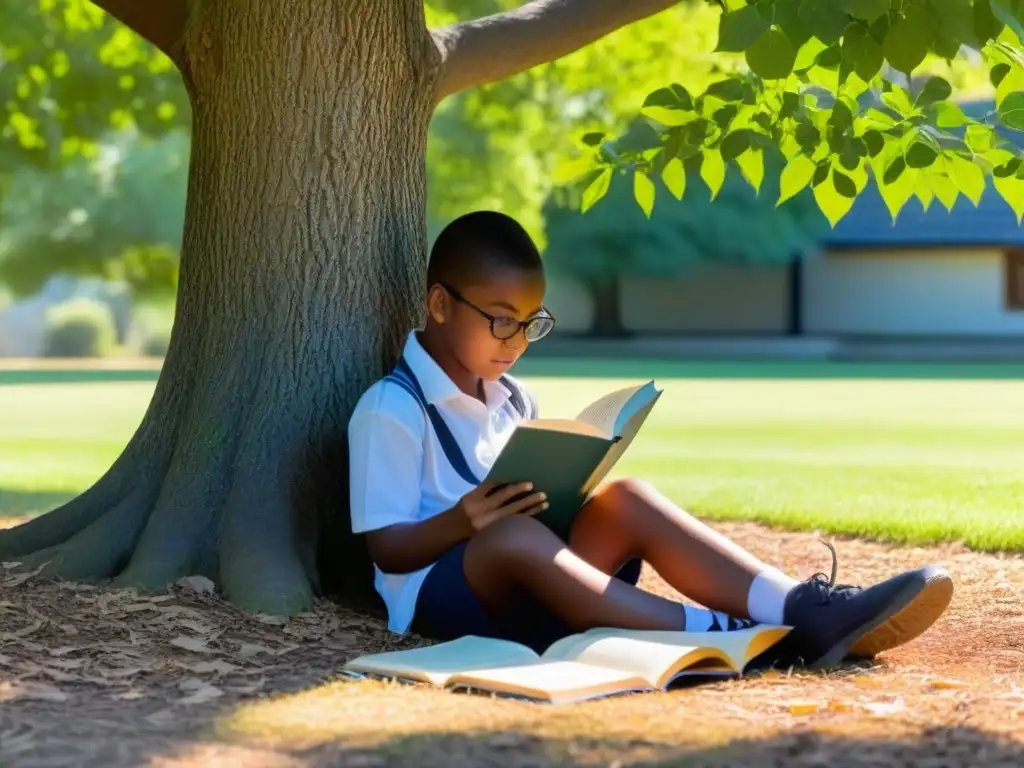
[(29, 503), (952, 747)]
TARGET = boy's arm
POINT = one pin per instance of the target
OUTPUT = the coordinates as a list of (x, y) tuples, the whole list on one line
[(385, 467)]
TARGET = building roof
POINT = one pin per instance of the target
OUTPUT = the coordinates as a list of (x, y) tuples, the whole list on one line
[(992, 223)]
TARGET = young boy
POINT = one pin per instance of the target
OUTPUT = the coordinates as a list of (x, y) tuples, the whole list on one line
[(454, 558)]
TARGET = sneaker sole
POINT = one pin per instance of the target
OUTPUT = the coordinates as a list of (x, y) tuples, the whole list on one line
[(913, 621), (911, 612)]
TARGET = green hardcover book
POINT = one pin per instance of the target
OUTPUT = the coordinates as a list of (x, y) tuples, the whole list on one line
[(568, 458)]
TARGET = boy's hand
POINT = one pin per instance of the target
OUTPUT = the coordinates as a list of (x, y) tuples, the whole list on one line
[(483, 505)]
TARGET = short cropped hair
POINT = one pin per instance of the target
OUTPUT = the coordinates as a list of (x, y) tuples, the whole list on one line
[(479, 241)]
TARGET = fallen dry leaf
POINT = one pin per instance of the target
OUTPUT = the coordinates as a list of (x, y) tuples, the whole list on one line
[(30, 690), (248, 650), (201, 692), (884, 708), (194, 644), (198, 584), (213, 667)]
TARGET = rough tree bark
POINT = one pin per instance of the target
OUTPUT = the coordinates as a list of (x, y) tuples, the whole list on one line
[(302, 269)]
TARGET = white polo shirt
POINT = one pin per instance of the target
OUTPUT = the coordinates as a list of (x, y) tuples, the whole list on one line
[(398, 471)]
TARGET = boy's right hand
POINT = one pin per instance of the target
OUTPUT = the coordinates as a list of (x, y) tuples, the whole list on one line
[(484, 505)]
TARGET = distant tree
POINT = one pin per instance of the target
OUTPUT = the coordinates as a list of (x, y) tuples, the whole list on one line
[(614, 238), (118, 214)]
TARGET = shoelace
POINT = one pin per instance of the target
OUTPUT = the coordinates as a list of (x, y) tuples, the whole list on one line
[(827, 585)]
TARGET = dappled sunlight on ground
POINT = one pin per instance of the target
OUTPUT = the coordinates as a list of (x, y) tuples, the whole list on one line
[(90, 677)]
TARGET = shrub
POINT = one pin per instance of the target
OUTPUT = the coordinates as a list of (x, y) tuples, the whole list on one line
[(156, 343), (79, 328)]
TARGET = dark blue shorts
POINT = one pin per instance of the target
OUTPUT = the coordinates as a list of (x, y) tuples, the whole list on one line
[(447, 608)]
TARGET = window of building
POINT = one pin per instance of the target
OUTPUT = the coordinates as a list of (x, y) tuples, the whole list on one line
[(1013, 279)]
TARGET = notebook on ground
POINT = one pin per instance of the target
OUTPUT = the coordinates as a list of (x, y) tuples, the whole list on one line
[(567, 458), (591, 664)]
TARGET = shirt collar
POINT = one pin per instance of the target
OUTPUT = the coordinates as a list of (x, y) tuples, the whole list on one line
[(437, 385)]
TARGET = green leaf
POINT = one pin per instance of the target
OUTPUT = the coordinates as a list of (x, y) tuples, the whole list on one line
[(737, 30), (899, 191), (920, 155), (807, 136), (1011, 111), (985, 25), (861, 54), (674, 176), (907, 41), (807, 54), (597, 189), (948, 115), (844, 184), (593, 138), (674, 97), (712, 170), (795, 177), (825, 19), (998, 72), (643, 191), (833, 204), (968, 177), (898, 100), (573, 169), (874, 142), (944, 189), (1003, 11), (894, 171), (936, 89), (772, 55), (751, 165), (980, 138), (1011, 189), (735, 144), (729, 90), (923, 191), (869, 10), (821, 172)]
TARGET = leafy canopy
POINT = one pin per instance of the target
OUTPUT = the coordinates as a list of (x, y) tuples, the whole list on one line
[(828, 83), (737, 227)]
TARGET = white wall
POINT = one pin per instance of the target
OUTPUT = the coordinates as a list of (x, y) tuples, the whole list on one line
[(956, 292)]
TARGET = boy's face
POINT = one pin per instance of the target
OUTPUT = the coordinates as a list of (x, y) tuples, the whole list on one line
[(506, 294)]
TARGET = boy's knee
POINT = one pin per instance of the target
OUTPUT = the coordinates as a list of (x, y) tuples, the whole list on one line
[(511, 539)]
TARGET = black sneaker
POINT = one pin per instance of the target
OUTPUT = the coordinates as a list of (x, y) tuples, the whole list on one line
[(834, 621)]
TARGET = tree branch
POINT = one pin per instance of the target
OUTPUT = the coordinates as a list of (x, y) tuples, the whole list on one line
[(161, 22), (496, 47)]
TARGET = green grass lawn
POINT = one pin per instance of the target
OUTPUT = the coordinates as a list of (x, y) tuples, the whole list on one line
[(914, 460)]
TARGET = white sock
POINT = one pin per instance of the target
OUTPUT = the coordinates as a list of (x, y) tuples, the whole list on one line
[(766, 601), (703, 620)]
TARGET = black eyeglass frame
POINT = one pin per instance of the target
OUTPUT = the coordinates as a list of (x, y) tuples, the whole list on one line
[(523, 324)]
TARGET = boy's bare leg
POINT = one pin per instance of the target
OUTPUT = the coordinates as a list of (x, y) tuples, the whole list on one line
[(519, 552), (630, 518)]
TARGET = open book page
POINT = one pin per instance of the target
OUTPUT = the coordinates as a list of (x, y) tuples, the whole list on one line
[(735, 649), (657, 662), (604, 413), (556, 681), (437, 663), (627, 432)]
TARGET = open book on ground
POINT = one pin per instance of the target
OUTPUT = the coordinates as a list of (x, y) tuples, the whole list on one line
[(568, 458), (591, 664)]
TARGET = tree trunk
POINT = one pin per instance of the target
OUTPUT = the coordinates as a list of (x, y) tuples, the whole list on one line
[(302, 270), (606, 294)]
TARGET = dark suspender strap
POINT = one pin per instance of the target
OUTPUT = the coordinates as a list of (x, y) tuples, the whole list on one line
[(405, 378), (515, 397)]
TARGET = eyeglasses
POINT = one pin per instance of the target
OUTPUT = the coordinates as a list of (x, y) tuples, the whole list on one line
[(504, 328)]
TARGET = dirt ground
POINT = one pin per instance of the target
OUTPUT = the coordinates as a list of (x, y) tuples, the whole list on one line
[(97, 678)]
